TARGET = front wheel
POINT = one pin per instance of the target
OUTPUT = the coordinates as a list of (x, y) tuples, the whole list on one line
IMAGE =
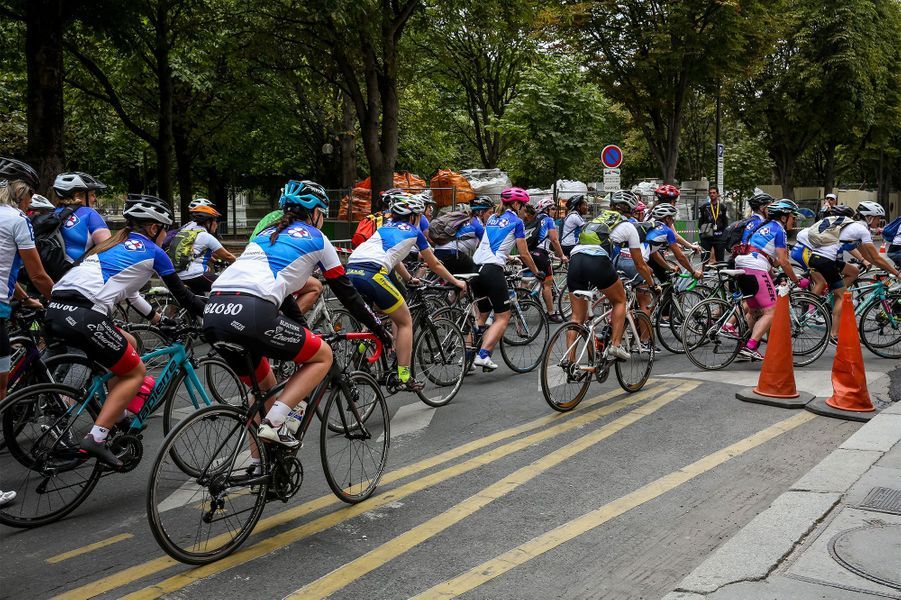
[(880, 327), (218, 379), (811, 322), (638, 341), (713, 334), (567, 367), (439, 357), (526, 335)]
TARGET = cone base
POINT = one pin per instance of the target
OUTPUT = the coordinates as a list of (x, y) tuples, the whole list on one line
[(820, 407), (749, 395)]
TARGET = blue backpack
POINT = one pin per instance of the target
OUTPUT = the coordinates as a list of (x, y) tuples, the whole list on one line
[(890, 231)]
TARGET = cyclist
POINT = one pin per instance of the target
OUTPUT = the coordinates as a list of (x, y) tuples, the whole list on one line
[(204, 246), (768, 248), (372, 261), (628, 249), (547, 237), (573, 223), (457, 254), (827, 260), (115, 270), (669, 194), (803, 249), (84, 227), (39, 205), (664, 236), (251, 304), (502, 231)]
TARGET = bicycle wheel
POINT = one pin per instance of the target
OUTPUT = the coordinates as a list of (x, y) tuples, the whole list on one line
[(222, 385), (526, 336), (353, 459), (439, 354), (149, 338), (202, 517), (564, 305), (567, 367), (811, 323), (708, 345), (665, 329), (880, 327), (682, 304), (632, 374), (41, 462)]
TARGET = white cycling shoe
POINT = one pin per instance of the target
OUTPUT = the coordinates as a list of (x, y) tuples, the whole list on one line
[(279, 435), (485, 363), (618, 352)]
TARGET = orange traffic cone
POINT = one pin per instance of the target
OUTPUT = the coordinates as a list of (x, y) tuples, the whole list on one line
[(776, 384), (850, 398)]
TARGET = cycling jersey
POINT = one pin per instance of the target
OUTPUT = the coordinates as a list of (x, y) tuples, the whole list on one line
[(466, 239), (751, 227), (501, 233), (78, 229), (851, 237), (389, 245), (765, 241), (800, 253), (117, 274), (273, 270), (571, 228), (15, 234), (204, 245), (623, 236), (423, 224), (546, 225)]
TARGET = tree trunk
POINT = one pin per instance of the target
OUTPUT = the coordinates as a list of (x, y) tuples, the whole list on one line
[(785, 171), (44, 94), (184, 161), (164, 74), (348, 144), (829, 168)]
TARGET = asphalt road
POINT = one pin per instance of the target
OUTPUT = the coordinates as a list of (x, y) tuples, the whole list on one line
[(492, 496)]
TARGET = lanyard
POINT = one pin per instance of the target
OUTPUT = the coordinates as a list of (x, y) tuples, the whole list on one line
[(715, 212)]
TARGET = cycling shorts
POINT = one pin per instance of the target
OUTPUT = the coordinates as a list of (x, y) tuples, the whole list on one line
[(456, 262), (543, 261), (490, 289), (200, 285), (567, 250), (587, 272), (5, 348), (830, 269), (72, 319), (374, 283), (257, 326), (757, 288), (800, 256)]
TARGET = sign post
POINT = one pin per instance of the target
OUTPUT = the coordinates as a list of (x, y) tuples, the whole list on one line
[(612, 158), (720, 162)]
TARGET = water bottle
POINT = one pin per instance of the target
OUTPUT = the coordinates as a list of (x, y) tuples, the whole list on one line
[(295, 417), (137, 403)]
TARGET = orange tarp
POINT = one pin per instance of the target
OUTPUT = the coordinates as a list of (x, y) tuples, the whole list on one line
[(445, 183), (404, 180)]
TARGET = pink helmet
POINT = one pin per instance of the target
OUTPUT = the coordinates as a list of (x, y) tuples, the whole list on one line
[(544, 204), (640, 207), (511, 195)]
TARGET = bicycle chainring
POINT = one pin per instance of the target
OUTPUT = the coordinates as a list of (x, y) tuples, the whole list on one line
[(287, 476), (129, 449)]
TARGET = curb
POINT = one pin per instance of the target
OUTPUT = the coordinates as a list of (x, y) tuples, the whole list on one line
[(762, 545)]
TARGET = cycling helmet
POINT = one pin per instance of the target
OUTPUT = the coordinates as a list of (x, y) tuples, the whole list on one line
[(204, 213), (303, 194), (760, 199), (511, 195), (664, 210), (640, 207), (782, 207), (66, 184), (38, 202), (840, 210), (141, 207), (426, 197), (667, 193), (388, 196), (16, 170), (544, 204), (573, 202), (482, 203), (199, 202), (407, 205), (870, 209), (624, 197)]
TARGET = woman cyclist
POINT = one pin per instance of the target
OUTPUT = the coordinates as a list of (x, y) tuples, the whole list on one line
[(83, 227), (371, 263), (115, 270), (547, 239), (576, 209), (204, 246), (669, 194), (251, 304)]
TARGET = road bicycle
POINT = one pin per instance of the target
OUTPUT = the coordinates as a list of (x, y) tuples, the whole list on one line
[(205, 495)]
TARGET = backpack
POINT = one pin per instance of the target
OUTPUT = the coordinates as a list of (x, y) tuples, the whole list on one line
[(890, 231), (734, 231), (181, 248), (597, 231), (533, 232), (827, 231), (170, 235), (49, 241), (365, 228), (443, 228)]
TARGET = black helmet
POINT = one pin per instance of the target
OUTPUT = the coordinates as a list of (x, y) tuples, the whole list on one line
[(66, 184), (760, 199), (840, 210), (16, 170), (141, 207), (574, 201), (482, 203)]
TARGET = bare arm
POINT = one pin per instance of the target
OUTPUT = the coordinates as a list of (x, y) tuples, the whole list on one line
[(401, 270), (683, 260), (782, 259), (524, 255), (223, 254), (36, 272), (870, 252), (555, 242), (100, 235), (437, 267), (642, 266)]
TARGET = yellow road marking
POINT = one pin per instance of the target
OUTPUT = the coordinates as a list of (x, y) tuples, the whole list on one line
[(357, 568), (89, 548), (268, 545), (546, 423), (543, 543)]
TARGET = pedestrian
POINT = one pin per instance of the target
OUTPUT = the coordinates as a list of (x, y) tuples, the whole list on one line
[(828, 202), (712, 222)]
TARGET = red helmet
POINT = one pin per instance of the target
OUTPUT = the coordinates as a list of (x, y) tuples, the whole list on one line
[(511, 195), (667, 193)]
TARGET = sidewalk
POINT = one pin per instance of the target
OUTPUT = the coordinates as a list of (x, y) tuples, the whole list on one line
[(835, 535)]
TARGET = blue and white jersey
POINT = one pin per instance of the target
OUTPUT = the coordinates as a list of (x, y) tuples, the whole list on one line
[(660, 237), (15, 234), (501, 232), (390, 244), (272, 270), (572, 226), (751, 227), (78, 229), (113, 275), (467, 238), (766, 240), (423, 224), (545, 226), (204, 246)]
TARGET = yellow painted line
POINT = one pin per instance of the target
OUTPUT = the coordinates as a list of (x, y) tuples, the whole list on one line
[(270, 544), (357, 568), (89, 548), (545, 423), (537, 546)]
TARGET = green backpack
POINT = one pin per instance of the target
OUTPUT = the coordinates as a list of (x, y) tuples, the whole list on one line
[(181, 250), (597, 232)]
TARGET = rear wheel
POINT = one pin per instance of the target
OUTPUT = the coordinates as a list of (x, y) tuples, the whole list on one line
[(526, 336), (880, 327), (811, 322), (632, 374), (706, 336), (439, 354)]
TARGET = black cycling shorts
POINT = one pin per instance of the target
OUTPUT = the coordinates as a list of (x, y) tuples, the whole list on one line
[(831, 270), (587, 272), (490, 289), (567, 249), (456, 262), (542, 260), (73, 321), (5, 348), (200, 285), (257, 326)]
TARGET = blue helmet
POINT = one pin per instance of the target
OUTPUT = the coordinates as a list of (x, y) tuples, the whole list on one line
[(306, 194)]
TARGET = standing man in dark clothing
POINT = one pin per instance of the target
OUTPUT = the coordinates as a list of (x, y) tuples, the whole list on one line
[(712, 222)]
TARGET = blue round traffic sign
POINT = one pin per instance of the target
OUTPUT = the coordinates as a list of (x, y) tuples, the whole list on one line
[(611, 156)]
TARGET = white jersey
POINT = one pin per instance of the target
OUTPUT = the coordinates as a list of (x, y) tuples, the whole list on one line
[(15, 234), (571, 228), (855, 234), (204, 246), (390, 244)]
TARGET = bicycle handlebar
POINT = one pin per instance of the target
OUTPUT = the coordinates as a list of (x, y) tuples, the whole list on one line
[(359, 336)]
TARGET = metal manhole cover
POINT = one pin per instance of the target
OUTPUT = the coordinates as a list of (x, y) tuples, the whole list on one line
[(871, 551), (884, 500)]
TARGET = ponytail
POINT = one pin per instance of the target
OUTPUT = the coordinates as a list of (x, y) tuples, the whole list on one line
[(111, 241), (290, 216)]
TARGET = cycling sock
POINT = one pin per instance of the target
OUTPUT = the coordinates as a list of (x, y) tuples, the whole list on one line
[(484, 353), (278, 414), (99, 433), (403, 373), (753, 344)]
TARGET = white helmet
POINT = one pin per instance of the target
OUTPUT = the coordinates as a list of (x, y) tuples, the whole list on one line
[(663, 210), (143, 207), (870, 209), (544, 204), (406, 205), (199, 202), (38, 202), (66, 184)]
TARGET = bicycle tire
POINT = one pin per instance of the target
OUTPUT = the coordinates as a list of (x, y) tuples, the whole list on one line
[(526, 336), (702, 328), (356, 433), (165, 485), (890, 348), (439, 354), (178, 403), (634, 379), (808, 314), (556, 374), (664, 328)]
